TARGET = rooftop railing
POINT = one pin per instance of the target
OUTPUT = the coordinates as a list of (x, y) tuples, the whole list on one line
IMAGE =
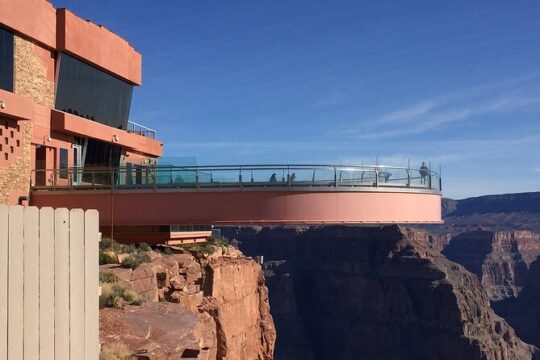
[(263, 177), (141, 130)]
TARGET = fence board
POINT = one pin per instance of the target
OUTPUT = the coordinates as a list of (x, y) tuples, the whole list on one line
[(4, 215), (46, 283), (49, 282), (15, 283), (76, 282), (91, 263), (61, 284), (31, 283)]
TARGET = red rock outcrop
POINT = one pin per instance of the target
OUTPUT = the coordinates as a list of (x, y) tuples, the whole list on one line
[(500, 259), (212, 307)]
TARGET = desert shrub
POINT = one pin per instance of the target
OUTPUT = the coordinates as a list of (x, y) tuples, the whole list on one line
[(167, 251), (115, 351), (107, 277), (135, 260), (112, 296), (108, 244), (107, 257), (144, 247), (105, 244)]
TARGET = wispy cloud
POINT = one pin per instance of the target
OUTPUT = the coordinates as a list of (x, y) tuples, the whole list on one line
[(433, 113)]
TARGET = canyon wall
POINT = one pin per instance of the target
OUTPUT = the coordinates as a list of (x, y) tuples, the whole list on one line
[(523, 312), (500, 259), (378, 293)]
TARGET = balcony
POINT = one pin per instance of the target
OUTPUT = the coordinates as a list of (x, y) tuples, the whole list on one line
[(139, 129), (73, 124)]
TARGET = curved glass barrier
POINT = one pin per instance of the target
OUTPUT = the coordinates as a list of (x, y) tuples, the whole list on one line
[(297, 177)]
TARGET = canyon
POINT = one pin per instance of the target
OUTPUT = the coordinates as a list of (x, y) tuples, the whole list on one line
[(337, 292), (467, 289)]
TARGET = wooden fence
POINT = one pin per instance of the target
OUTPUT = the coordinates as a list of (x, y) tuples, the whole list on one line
[(49, 284)]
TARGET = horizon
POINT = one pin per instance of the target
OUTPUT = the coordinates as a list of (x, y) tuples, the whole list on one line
[(455, 83)]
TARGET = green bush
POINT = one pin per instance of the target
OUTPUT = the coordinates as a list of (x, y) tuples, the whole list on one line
[(144, 247), (135, 260), (107, 277)]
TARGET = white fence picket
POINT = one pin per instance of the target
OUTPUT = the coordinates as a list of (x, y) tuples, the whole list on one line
[(76, 283), (4, 220), (91, 250), (31, 283), (15, 283), (46, 283), (61, 284)]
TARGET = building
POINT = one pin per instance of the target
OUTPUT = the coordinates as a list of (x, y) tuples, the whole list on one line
[(65, 92), (66, 140)]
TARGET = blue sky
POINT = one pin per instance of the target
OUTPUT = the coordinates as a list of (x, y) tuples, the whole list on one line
[(454, 82)]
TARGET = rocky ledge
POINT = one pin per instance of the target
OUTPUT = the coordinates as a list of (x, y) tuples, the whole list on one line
[(198, 306)]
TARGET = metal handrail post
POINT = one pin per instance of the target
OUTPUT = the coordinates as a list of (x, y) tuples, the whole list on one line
[(335, 177), (70, 180), (112, 180), (197, 178), (430, 174), (409, 178), (376, 177)]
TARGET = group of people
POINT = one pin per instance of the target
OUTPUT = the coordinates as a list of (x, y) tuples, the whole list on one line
[(424, 173), (290, 178)]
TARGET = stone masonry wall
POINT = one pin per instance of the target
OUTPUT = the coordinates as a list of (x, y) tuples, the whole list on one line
[(32, 79), (31, 74)]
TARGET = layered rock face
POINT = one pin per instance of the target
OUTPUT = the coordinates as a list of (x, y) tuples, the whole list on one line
[(211, 307), (500, 259), (523, 312), (507, 212), (384, 293)]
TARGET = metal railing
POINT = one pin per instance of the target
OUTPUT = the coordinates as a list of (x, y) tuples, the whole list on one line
[(238, 176), (141, 130)]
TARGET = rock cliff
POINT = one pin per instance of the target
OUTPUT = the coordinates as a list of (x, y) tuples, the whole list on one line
[(523, 312), (500, 259), (382, 293), (210, 307)]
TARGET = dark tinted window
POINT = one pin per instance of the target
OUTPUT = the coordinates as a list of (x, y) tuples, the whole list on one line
[(101, 154), (63, 164), (6, 60), (91, 93)]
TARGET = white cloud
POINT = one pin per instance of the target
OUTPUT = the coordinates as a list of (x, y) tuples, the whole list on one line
[(430, 114)]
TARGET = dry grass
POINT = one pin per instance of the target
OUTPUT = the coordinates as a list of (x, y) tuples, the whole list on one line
[(115, 295), (115, 351)]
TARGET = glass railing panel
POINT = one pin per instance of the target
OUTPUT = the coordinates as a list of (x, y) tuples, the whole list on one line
[(236, 176), (394, 177), (356, 177)]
